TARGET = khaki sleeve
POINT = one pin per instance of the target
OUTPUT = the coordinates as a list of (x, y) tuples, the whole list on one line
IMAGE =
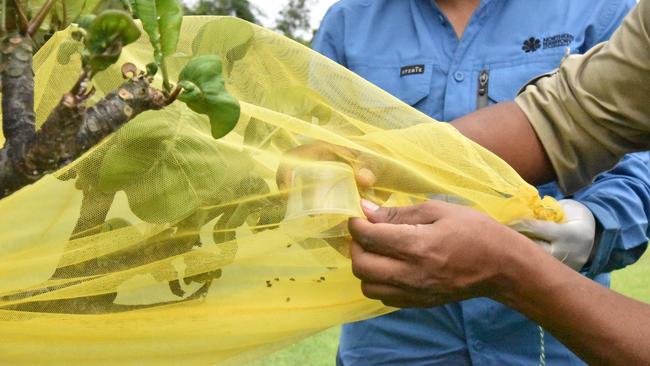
[(596, 108)]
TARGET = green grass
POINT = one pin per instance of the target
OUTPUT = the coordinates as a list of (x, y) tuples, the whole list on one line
[(634, 281), (320, 350)]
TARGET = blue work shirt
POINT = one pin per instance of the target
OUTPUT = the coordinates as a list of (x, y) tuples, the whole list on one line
[(408, 48)]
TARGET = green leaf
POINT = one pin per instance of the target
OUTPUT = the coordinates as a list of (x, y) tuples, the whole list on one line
[(149, 142), (69, 11), (162, 20), (232, 48), (168, 165), (86, 20), (63, 13), (260, 135), (204, 91), (106, 35), (300, 102), (66, 50)]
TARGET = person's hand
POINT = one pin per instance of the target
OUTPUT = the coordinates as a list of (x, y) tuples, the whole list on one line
[(431, 254), (370, 170), (363, 167), (570, 242)]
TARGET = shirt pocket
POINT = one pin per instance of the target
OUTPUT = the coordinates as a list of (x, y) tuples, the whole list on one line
[(411, 88), (505, 81)]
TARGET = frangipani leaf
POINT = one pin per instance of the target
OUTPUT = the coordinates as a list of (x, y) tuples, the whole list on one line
[(106, 35), (147, 156), (233, 48), (204, 91), (66, 50), (63, 12), (162, 20)]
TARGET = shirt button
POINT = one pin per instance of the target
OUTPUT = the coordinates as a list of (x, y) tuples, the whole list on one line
[(478, 345), (459, 76), (442, 19)]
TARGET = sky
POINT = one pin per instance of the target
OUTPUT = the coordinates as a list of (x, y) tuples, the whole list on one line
[(272, 7)]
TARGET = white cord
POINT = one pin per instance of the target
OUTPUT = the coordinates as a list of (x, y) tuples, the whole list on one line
[(542, 348)]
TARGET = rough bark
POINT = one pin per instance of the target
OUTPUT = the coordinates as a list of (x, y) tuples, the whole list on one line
[(18, 118), (17, 101), (94, 208), (69, 131)]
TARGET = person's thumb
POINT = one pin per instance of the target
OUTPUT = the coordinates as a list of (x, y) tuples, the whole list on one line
[(425, 213), (364, 177)]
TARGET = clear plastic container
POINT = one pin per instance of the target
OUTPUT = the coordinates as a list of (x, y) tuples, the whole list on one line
[(322, 193)]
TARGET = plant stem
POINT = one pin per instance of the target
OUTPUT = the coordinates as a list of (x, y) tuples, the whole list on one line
[(22, 17), (118, 107), (18, 120), (71, 130), (40, 17), (8, 16), (3, 20), (166, 85), (173, 95), (94, 208), (64, 10), (79, 86)]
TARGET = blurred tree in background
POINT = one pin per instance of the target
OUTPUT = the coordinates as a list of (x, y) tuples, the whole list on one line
[(239, 8), (294, 19)]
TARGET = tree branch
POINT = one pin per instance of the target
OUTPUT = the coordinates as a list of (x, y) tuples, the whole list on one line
[(71, 130), (22, 16), (18, 118), (3, 17), (173, 95), (8, 16), (94, 208), (132, 98), (40, 17)]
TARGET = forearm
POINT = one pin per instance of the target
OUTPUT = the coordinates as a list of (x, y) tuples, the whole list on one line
[(504, 130), (599, 325)]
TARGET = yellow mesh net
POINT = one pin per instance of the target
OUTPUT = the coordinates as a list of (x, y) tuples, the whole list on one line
[(165, 246)]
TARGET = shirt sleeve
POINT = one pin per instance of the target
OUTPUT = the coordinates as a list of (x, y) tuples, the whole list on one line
[(606, 21), (595, 108), (329, 40), (620, 202)]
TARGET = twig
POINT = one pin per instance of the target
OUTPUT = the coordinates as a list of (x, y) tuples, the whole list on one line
[(3, 17), (174, 94), (165, 75), (64, 9), (24, 22), (40, 17), (79, 87), (70, 130)]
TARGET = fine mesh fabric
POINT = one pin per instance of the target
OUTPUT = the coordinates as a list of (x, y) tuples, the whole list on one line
[(164, 246)]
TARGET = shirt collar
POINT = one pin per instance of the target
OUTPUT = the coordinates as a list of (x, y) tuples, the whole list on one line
[(481, 5)]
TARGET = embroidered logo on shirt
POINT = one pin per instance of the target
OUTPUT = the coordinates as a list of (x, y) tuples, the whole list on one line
[(558, 40), (411, 70), (533, 44)]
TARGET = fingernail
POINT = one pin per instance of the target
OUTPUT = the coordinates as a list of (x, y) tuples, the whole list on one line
[(369, 205)]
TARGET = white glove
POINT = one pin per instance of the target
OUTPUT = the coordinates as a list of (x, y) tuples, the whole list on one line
[(570, 242)]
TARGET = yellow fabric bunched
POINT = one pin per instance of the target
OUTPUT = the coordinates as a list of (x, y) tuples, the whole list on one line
[(164, 246)]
